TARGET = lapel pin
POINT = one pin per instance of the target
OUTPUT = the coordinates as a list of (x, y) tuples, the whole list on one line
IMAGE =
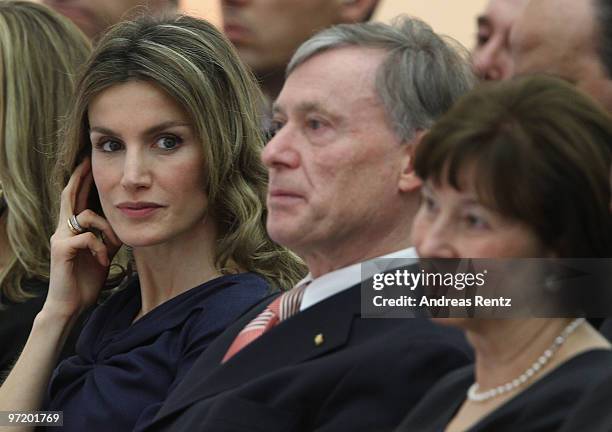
[(318, 339)]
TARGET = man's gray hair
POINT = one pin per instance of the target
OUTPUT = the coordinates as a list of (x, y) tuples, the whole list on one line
[(422, 77)]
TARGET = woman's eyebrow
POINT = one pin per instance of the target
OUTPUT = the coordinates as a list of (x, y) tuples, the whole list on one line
[(150, 131)]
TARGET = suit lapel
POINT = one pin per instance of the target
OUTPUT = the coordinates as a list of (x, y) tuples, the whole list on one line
[(211, 359), (314, 332)]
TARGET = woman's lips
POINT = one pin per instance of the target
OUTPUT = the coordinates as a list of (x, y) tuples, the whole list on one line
[(138, 210)]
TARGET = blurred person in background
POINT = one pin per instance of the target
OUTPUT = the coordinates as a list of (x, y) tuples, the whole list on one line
[(266, 33), (568, 39), (162, 154), (491, 55), (518, 169), (94, 17), (593, 411), (573, 41), (40, 52)]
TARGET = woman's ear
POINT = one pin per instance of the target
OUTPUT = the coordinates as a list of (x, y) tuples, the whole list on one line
[(408, 180)]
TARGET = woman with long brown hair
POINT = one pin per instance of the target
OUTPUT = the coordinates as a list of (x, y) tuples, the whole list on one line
[(162, 150)]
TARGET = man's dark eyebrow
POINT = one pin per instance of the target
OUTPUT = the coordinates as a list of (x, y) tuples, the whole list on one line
[(276, 108), (483, 20), (151, 131)]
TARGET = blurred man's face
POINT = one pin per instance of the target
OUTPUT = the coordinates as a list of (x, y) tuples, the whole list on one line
[(94, 16), (267, 32), (558, 37), (491, 55)]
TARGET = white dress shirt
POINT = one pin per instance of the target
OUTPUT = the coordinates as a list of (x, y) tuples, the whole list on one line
[(339, 280)]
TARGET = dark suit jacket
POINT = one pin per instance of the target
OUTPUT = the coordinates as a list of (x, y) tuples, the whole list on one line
[(606, 328), (592, 412), (365, 375)]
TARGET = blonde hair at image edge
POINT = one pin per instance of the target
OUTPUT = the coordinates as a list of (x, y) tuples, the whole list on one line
[(40, 52)]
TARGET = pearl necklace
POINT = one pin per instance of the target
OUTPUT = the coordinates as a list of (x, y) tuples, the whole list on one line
[(474, 395)]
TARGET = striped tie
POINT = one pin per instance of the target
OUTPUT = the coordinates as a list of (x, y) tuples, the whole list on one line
[(285, 306)]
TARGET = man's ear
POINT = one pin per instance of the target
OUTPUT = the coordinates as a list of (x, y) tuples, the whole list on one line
[(408, 180), (352, 11)]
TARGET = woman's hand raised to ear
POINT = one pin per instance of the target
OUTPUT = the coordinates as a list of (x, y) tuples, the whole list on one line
[(80, 260), (79, 267)]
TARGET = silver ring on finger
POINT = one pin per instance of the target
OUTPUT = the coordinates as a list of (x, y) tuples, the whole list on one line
[(74, 225)]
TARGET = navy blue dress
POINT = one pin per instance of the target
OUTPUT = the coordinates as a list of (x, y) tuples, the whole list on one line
[(16, 323), (542, 407), (122, 372)]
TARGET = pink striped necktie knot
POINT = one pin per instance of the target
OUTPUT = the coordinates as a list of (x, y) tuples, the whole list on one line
[(282, 308)]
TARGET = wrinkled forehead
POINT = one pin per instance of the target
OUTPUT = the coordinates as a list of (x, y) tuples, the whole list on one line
[(343, 79)]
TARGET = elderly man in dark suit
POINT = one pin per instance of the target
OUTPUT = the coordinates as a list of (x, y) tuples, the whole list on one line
[(342, 192)]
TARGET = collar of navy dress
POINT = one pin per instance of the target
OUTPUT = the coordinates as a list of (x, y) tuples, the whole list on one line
[(123, 371)]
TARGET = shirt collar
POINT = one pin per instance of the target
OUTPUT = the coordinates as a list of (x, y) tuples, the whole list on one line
[(341, 279)]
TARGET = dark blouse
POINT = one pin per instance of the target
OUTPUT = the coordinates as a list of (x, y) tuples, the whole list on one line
[(16, 321), (123, 371), (593, 413), (542, 407), (606, 328)]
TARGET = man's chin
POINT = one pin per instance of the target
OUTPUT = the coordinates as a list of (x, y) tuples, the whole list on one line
[(283, 235)]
